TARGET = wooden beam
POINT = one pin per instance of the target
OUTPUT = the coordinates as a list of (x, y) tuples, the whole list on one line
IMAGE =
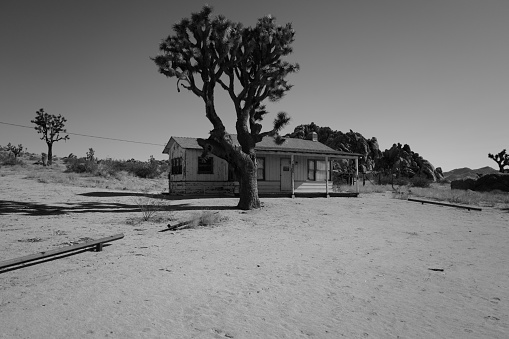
[(326, 176), (445, 204), (357, 175), (292, 167), (311, 154), (98, 244)]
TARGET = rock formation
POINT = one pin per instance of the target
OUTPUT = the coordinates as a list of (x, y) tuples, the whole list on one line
[(485, 183), (401, 159), (347, 142)]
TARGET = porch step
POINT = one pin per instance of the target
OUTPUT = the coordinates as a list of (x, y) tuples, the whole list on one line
[(311, 187)]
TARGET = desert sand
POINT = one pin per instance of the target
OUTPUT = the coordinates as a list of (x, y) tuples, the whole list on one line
[(366, 267)]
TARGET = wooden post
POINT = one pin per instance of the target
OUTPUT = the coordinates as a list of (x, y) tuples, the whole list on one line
[(292, 165), (169, 181), (326, 176), (357, 174)]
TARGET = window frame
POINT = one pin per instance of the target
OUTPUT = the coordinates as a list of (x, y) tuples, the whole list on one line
[(314, 170), (176, 166), (258, 167), (210, 169)]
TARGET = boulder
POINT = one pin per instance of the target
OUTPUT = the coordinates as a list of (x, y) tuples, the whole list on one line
[(485, 183), (492, 182), (463, 184)]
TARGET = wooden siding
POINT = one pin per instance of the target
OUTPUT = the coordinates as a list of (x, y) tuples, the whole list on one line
[(301, 168), (272, 182), (202, 187), (273, 186), (272, 170), (190, 166), (190, 182)]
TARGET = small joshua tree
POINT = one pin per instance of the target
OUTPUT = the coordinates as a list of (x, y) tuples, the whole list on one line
[(50, 126), (502, 160), (90, 154), (15, 150)]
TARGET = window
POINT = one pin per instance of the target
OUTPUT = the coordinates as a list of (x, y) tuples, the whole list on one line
[(317, 170), (260, 175), (205, 165), (176, 166)]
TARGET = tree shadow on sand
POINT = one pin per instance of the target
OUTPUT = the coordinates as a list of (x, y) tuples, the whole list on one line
[(39, 209), (165, 196)]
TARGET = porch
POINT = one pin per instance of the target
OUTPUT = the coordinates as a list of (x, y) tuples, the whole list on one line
[(301, 174)]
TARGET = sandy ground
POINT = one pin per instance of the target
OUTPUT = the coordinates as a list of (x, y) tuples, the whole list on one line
[(361, 267)]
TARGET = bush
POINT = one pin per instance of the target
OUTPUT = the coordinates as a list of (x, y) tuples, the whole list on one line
[(149, 206), (206, 218), (420, 182), (117, 168), (11, 161), (81, 165), (143, 169)]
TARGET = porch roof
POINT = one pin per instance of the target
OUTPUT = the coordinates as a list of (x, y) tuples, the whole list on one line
[(269, 145)]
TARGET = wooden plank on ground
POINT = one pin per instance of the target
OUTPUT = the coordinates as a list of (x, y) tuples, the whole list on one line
[(445, 204), (41, 255)]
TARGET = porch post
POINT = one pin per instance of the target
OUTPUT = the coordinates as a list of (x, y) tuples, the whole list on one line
[(293, 175), (357, 174), (326, 176)]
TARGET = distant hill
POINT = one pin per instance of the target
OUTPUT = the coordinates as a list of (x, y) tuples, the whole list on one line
[(467, 173)]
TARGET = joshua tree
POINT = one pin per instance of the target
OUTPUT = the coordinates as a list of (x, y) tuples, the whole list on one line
[(15, 150), (90, 154), (246, 63), (50, 126), (502, 160)]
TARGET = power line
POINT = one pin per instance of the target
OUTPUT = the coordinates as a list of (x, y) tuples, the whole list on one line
[(90, 136)]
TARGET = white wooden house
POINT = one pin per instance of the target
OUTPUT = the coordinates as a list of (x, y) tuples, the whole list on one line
[(294, 167)]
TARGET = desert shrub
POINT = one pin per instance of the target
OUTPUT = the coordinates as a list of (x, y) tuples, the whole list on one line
[(9, 160), (388, 180), (71, 157), (420, 182), (33, 157), (148, 169), (205, 218), (149, 206), (143, 169), (81, 165)]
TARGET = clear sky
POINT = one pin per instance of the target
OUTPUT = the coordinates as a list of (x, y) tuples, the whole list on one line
[(433, 74)]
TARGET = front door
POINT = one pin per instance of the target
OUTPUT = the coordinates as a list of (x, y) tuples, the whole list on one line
[(286, 174)]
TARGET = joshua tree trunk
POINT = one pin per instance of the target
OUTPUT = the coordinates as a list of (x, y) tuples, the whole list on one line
[(248, 186), (50, 153), (243, 162)]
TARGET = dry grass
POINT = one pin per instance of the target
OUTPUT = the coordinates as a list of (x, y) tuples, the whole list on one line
[(487, 199), (56, 174), (206, 218), (438, 192), (150, 206)]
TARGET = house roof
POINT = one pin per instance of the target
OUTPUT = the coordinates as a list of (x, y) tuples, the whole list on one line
[(268, 144)]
